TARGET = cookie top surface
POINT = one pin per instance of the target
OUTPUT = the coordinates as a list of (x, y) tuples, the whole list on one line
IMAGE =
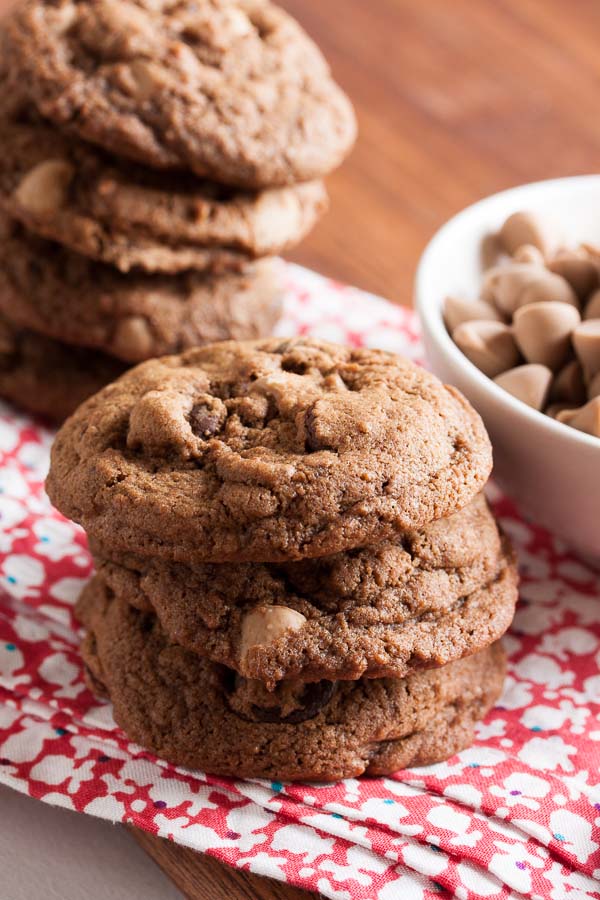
[(267, 451), (232, 89), (47, 377), (425, 599), (63, 295), (133, 217), (198, 714)]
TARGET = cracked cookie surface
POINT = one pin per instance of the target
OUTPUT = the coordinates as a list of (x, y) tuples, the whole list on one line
[(232, 89), (267, 451), (200, 715), (425, 599), (132, 217), (60, 294)]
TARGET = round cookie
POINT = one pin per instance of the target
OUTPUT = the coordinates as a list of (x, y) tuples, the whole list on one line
[(133, 217), (424, 599), (232, 89), (65, 296), (47, 377), (200, 715), (267, 451)]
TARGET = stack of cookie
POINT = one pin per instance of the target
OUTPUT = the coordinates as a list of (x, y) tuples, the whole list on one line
[(155, 157), (297, 574)]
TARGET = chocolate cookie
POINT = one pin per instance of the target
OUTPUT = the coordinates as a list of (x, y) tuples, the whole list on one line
[(232, 89), (198, 714), (135, 316), (130, 216), (47, 377), (425, 599), (267, 451)]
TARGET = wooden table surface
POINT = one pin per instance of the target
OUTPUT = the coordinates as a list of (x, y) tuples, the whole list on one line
[(455, 100)]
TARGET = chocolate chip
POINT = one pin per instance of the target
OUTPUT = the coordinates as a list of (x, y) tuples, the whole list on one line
[(295, 365), (205, 422), (314, 698)]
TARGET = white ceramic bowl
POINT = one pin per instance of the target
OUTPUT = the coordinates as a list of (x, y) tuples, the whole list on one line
[(551, 470)]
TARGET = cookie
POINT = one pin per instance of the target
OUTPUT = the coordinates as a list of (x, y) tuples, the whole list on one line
[(425, 599), (195, 713), (232, 89), (47, 377), (133, 217), (65, 296), (267, 451)]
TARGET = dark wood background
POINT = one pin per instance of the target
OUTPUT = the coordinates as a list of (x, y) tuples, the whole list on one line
[(456, 99)]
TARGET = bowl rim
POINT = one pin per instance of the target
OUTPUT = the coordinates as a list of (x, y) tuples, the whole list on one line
[(432, 319)]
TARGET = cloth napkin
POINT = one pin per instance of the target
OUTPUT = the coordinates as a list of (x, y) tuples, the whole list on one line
[(515, 816)]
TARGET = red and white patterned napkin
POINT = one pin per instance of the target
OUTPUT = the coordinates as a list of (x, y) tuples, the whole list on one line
[(516, 815)]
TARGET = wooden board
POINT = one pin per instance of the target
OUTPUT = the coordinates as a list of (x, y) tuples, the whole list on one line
[(205, 878), (455, 100)]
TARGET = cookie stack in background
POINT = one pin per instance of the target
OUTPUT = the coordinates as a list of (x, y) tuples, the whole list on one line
[(154, 158), (297, 574)]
